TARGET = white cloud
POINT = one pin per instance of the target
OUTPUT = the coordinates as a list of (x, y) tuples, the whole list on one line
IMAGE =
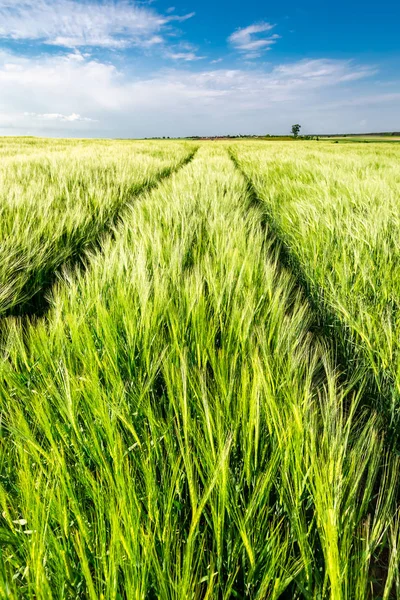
[(310, 71), (58, 117), (248, 41), (72, 24), (368, 100), (180, 19), (185, 56), (47, 95), (183, 51)]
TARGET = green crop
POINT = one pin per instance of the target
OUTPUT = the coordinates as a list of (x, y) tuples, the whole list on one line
[(336, 211), (176, 425), (55, 204)]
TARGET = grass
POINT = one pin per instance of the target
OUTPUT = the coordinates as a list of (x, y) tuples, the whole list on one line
[(57, 198), (173, 428), (336, 210)]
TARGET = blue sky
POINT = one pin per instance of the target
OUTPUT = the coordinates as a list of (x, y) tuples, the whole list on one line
[(120, 68)]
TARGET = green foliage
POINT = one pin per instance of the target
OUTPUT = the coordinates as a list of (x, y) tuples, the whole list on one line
[(296, 130), (173, 429)]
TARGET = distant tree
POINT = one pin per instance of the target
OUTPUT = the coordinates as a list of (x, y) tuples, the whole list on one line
[(296, 130)]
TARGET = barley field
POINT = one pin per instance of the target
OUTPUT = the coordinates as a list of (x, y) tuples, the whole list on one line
[(199, 370)]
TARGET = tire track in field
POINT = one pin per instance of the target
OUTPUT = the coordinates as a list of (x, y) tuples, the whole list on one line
[(37, 305), (326, 324), (351, 371)]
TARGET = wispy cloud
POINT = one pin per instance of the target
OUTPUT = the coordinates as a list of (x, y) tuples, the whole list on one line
[(183, 52), (73, 24), (367, 100), (310, 71), (72, 118), (185, 56), (178, 18), (248, 41)]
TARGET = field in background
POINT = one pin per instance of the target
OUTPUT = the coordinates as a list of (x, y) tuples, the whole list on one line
[(199, 376), (362, 138)]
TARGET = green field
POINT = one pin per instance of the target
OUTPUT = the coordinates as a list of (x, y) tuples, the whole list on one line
[(200, 370)]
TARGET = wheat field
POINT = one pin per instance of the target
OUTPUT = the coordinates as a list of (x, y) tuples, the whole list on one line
[(200, 372)]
